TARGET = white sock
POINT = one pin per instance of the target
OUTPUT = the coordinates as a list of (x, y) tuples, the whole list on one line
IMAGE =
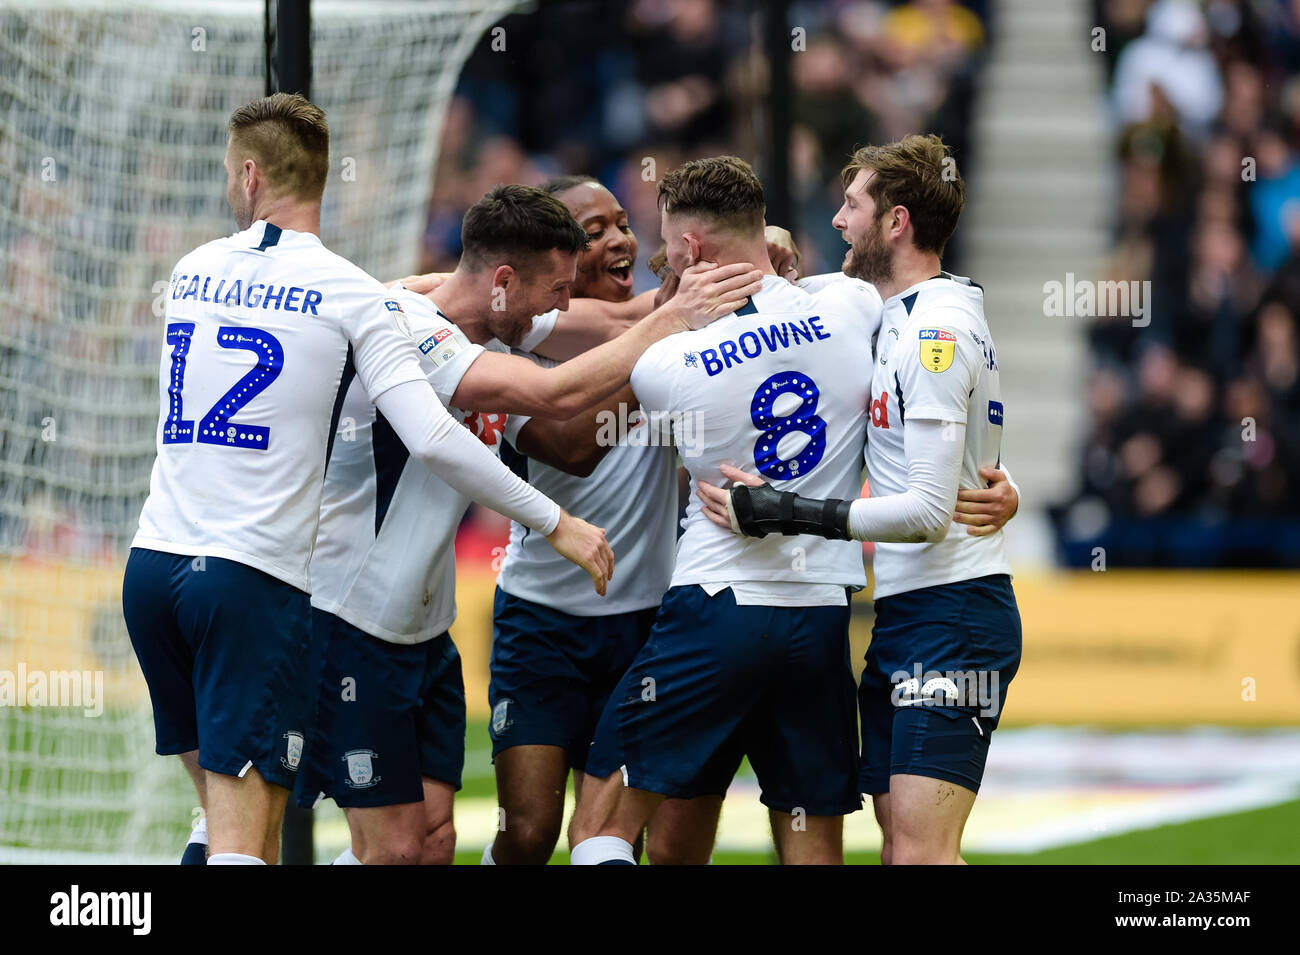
[(600, 849), (487, 857), (234, 858), (347, 858), (199, 833)]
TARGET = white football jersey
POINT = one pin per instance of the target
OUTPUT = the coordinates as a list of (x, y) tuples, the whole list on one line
[(385, 558), (778, 389), (632, 493), (936, 361), (262, 332)]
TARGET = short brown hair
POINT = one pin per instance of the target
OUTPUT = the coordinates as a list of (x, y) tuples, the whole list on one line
[(290, 140), (919, 173), (722, 189), (517, 222)]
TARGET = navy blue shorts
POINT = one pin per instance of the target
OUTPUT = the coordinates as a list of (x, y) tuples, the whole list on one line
[(389, 715), (228, 654), (716, 682), (553, 672), (938, 667)]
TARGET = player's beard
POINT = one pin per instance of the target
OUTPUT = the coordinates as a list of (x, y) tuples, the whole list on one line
[(872, 260), (239, 206), (511, 329)]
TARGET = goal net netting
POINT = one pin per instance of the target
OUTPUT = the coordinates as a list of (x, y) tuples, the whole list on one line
[(112, 132)]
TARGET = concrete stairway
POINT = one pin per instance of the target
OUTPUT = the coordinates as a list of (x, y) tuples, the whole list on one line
[(1040, 196)]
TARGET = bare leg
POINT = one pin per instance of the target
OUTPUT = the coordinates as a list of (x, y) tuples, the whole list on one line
[(530, 797), (198, 776), (387, 835), (609, 808), (807, 840), (927, 817), (439, 826), (682, 831), (244, 815), (880, 802)]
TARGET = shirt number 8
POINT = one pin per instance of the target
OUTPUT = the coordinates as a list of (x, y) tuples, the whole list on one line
[(774, 427)]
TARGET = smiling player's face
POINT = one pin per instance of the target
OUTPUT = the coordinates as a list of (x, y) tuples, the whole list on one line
[(605, 268), (541, 283)]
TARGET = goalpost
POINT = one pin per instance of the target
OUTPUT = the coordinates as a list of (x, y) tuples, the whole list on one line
[(112, 131)]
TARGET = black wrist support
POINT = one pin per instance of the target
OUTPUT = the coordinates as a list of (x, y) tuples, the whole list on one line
[(764, 510)]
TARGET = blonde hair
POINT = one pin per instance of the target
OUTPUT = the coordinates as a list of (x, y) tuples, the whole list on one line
[(290, 140)]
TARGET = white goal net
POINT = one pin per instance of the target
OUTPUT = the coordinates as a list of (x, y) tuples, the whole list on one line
[(112, 131)]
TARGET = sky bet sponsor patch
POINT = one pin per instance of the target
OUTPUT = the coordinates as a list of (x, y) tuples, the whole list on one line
[(937, 348), (440, 346)]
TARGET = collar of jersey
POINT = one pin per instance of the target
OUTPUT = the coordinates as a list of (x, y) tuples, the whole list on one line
[(284, 233), (958, 281), (773, 283)]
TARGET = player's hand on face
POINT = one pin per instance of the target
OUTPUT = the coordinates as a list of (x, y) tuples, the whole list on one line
[(423, 284), (783, 252), (708, 291), (585, 545), (716, 499), (667, 288), (987, 509)]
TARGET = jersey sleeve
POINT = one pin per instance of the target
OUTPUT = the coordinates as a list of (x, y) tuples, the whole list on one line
[(543, 325), (936, 366), (377, 328), (445, 352)]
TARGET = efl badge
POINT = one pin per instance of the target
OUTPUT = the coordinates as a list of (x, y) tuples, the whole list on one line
[(937, 347), (361, 768), (292, 752), (399, 317)]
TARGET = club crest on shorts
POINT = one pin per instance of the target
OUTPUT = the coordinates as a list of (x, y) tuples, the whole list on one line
[(501, 717), (361, 768), (292, 751)]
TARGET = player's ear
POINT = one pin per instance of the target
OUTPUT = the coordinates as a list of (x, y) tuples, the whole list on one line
[(693, 244), (502, 276), (902, 218)]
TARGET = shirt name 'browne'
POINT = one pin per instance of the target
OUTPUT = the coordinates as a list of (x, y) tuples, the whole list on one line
[(253, 295), (751, 344)]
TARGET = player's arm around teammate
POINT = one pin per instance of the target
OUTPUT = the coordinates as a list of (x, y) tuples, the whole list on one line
[(944, 603), (510, 383)]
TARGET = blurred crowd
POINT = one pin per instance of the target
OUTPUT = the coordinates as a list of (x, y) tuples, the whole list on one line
[(1198, 415), (627, 89)]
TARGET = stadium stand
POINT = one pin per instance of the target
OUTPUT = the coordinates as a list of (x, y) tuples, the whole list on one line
[(1191, 453)]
